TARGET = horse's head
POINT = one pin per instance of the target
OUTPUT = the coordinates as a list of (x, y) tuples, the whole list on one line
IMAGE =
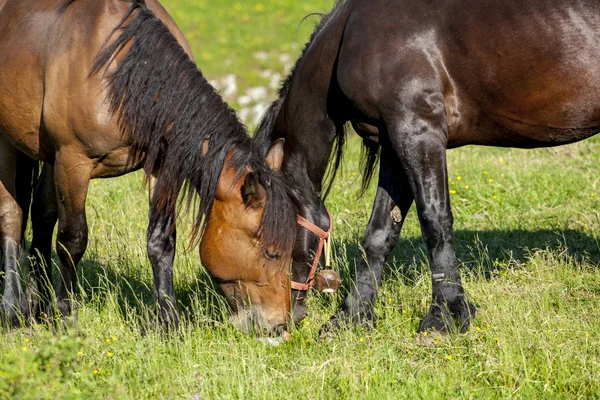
[(246, 246)]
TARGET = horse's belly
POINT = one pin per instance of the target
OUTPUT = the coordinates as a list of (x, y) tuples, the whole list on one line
[(499, 130)]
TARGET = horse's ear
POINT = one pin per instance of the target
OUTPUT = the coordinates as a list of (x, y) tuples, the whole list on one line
[(275, 155), (253, 194)]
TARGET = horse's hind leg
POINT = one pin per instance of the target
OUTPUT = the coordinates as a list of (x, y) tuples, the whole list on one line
[(44, 214), (418, 134), (71, 175), (161, 241), (13, 302), (392, 202)]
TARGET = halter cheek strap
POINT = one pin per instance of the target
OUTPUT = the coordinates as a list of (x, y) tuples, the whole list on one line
[(324, 241)]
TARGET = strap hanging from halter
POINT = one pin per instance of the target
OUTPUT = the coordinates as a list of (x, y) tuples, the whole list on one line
[(324, 241)]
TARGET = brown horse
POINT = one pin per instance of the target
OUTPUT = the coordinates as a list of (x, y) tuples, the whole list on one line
[(416, 78), (98, 89)]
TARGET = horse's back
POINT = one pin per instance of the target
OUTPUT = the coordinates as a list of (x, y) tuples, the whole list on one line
[(527, 67)]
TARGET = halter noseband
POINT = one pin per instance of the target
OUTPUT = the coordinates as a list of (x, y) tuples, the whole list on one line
[(324, 241)]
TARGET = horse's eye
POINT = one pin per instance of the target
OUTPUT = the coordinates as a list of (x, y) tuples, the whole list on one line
[(271, 255)]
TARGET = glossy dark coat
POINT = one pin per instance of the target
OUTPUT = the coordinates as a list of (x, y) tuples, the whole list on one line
[(417, 78)]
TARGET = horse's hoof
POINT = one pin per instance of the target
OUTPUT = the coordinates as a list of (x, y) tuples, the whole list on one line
[(446, 319), (436, 321), (330, 328), (343, 319)]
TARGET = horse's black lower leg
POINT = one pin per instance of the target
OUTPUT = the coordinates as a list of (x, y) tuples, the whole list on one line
[(161, 243), (420, 142), (44, 214), (13, 305), (392, 202), (161, 238)]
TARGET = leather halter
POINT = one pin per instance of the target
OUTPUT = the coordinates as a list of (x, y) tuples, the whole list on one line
[(324, 241)]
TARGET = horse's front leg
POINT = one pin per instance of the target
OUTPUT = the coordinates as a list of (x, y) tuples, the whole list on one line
[(392, 202), (72, 173), (13, 305), (44, 214), (161, 242), (418, 134)]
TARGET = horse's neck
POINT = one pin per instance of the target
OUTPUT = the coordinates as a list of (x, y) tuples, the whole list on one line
[(309, 135)]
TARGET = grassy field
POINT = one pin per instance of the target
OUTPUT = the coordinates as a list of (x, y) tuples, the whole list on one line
[(527, 234)]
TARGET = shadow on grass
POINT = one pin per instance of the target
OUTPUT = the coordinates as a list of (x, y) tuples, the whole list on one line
[(483, 252), (198, 297)]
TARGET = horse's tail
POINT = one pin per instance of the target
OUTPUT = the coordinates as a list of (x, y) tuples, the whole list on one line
[(369, 159), (26, 177)]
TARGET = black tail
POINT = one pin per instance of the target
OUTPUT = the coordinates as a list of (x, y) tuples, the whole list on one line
[(368, 161), (26, 177)]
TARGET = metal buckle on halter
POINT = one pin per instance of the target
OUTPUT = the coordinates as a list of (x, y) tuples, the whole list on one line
[(324, 241)]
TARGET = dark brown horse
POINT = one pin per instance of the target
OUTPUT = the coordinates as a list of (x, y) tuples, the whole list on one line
[(97, 89), (416, 78)]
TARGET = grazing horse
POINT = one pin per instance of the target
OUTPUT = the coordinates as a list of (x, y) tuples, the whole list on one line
[(416, 78), (97, 89)]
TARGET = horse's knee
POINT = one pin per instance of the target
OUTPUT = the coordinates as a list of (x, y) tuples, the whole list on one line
[(379, 241)]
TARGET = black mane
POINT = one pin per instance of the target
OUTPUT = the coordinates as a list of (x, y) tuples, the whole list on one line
[(177, 123), (265, 129)]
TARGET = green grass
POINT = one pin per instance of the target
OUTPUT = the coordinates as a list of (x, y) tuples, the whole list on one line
[(527, 241)]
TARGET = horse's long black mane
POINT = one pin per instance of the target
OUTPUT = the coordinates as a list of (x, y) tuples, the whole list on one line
[(266, 126), (178, 124)]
